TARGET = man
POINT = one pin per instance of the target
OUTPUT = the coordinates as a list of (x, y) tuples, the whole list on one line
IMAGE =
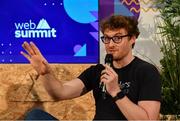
[(133, 89)]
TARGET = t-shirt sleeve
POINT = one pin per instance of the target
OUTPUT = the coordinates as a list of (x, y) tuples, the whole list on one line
[(150, 83), (91, 76)]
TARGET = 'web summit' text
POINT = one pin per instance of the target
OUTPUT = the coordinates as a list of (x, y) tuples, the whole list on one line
[(31, 30)]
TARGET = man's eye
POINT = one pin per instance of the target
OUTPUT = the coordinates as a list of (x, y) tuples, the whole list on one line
[(116, 38), (106, 38)]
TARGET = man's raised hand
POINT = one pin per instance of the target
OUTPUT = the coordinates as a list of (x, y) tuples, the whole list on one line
[(35, 58)]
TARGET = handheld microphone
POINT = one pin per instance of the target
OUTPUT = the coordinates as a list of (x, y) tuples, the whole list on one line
[(109, 62)]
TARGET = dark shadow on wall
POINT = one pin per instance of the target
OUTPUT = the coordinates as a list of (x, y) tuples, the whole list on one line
[(16, 110)]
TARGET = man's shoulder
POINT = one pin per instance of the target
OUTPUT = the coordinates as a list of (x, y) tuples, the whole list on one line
[(142, 64), (97, 66)]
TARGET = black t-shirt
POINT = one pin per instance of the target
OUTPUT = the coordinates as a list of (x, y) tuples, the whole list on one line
[(139, 80)]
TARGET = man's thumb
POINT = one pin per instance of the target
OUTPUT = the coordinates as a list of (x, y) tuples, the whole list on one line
[(45, 62)]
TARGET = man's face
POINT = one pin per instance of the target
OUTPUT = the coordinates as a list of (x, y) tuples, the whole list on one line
[(121, 47)]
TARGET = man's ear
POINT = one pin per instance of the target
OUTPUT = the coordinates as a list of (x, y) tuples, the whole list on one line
[(133, 39)]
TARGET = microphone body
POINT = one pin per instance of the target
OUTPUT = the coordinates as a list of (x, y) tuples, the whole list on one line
[(109, 62)]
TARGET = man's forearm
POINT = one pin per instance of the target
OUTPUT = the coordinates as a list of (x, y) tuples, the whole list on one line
[(130, 110), (53, 86)]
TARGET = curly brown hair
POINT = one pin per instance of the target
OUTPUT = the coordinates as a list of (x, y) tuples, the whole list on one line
[(117, 22)]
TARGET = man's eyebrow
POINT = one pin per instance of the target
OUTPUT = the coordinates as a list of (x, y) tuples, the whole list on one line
[(113, 35), (118, 34)]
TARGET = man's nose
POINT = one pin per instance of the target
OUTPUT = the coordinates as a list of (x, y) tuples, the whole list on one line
[(111, 43)]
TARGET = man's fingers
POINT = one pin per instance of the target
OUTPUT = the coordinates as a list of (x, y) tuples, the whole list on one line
[(28, 48), (105, 78), (106, 71), (103, 72), (45, 63), (110, 69), (26, 55), (34, 47)]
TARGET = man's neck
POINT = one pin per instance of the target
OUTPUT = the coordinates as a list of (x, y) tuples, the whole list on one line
[(123, 62)]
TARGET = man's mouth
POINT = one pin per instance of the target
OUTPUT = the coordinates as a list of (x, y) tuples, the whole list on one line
[(112, 51)]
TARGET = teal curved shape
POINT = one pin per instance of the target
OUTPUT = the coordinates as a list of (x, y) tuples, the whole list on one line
[(80, 10)]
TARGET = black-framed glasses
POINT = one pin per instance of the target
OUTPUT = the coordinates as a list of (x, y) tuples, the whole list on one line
[(115, 39)]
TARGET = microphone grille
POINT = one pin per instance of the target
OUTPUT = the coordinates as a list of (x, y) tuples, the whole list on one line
[(109, 58)]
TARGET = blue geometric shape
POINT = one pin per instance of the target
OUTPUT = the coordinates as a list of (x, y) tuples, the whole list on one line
[(120, 9), (95, 25), (80, 10), (77, 48), (94, 34), (82, 51), (95, 14)]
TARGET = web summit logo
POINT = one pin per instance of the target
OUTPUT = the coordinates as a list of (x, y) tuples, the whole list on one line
[(29, 30)]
